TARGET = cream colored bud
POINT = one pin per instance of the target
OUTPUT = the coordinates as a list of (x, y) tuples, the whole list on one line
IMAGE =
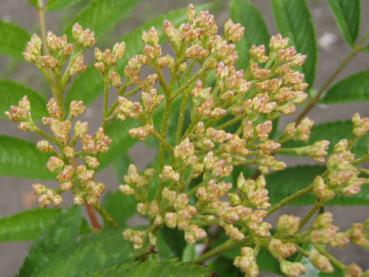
[(353, 270), (44, 146), (288, 224), (68, 152), (54, 164), (234, 233), (281, 250), (169, 195), (39, 188), (80, 129), (78, 200), (168, 174), (233, 32), (360, 125), (292, 269), (151, 36), (118, 50), (321, 190), (84, 37), (66, 186), (53, 108), (33, 49), (320, 262), (92, 162), (171, 220), (141, 133), (77, 108), (278, 42), (126, 189), (77, 65)]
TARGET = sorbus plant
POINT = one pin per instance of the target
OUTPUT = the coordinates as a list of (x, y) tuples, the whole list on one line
[(211, 111)]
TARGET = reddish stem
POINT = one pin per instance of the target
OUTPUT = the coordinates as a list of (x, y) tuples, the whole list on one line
[(93, 217)]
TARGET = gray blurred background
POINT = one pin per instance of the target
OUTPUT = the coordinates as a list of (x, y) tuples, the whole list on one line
[(15, 194)]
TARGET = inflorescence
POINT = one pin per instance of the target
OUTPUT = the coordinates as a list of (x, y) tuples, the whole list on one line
[(224, 120)]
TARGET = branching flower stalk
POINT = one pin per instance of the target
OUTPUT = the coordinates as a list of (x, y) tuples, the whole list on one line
[(223, 121)]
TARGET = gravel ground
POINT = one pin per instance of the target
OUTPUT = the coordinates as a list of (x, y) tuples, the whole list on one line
[(15, 194)]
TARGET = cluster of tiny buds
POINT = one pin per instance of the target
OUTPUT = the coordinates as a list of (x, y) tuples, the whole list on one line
[(58, 50), (246, 262), (22, 114), (70, 175), (204, 156)]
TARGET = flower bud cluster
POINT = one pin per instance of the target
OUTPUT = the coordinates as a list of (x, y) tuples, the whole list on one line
[(106, 61), (301, 132), (135, 183), (246, 262), (225, 122), (343, 175), (22, 114), (71, 175), (180, 215), (317, 151), (58, 50), (323, 230)]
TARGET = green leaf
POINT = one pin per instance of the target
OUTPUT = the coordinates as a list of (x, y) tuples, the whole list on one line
[(347, 14), (244, 12), (174, 239), (33, 3), (224, 267), (284, 183), (26, 225), (13, 39), (334, 132), (91, 254), (121, 207), (267, 262), (351, 89), (294, 21), (21, 159), (121, 142), (156, 268), (102, 15), (55, 5), (163, 248), (62, 234), (11, 92), (188, 253), (86, 87)]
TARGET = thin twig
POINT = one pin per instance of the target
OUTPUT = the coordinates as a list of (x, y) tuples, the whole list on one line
[(93, 217), (106, 216), (289, 199), (355, 50), (42, 23)]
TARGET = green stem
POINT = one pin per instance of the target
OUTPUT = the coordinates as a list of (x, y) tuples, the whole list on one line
[(162, 141), (164, 129), (42, 23), (229, 244), (181, 117), (163, 83), (106, 99), (329, 81), (48, 137), (289, 199), (188, 82), (106, 216), (333, 259), (310, 214), (230, 122)]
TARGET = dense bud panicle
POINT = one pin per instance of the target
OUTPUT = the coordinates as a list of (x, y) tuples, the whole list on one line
[(224, 124)]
